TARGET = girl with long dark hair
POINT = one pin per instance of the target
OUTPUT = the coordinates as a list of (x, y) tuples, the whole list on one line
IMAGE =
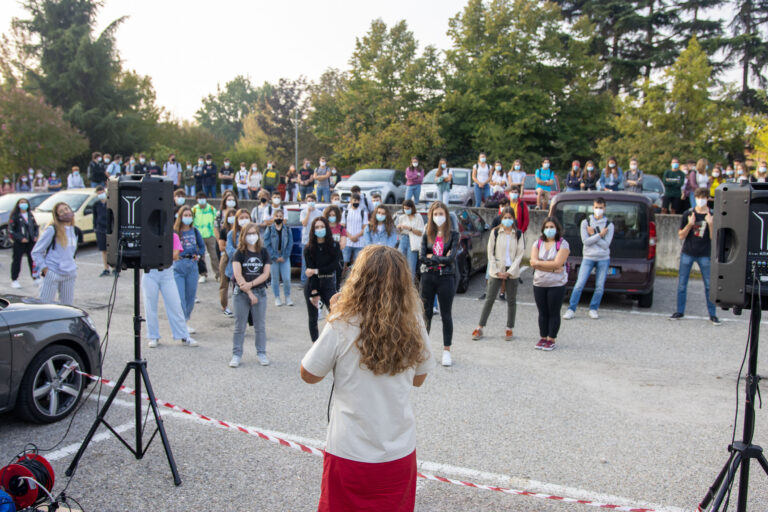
[(322, 255), (23, 230)]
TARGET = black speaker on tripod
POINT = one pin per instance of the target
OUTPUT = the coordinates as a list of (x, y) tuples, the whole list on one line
[(140, 233)]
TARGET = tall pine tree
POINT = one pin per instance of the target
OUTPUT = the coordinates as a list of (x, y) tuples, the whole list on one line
[(749, 44)]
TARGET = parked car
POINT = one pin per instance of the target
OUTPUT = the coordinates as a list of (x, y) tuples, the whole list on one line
[(473, 255), (388, 182), (461, 188), (40, 347), (529, 190), (653, 189), (81, 200), (633, 250), (7, 202)]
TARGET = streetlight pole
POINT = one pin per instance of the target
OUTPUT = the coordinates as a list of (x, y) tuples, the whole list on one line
[(296, 138)]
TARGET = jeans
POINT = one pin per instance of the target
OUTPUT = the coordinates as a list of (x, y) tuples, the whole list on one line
[(189, 190), (278, 270), (350, 253), (305, 191), (411, 256), (19, 250), (510, 289), (549, 301), (326, 289), (413, 192), (481, 194), (242, 193), (584, 271), (210, 191), (226, 186), (445, 196), (303, 275), (162, 281), (185, 275), (95, 184), (323, 195), (242, 306), (686, 264), (254, 194), (444, 287)]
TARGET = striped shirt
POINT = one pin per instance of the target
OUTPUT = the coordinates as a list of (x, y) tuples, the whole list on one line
[(355, 220)]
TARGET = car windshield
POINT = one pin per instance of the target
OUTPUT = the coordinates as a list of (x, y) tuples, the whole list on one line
[(73, 199), (373, 175), (652, 184), (460, 177), (630, 225)]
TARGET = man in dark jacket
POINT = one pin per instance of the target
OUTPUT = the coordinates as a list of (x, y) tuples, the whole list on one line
[(100, 226), (97, 173)]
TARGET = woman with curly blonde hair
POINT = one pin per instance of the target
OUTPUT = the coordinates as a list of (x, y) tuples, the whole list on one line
[(376, 344)]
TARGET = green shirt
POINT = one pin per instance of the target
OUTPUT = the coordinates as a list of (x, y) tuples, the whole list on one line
[(205, 219), (673, 183)]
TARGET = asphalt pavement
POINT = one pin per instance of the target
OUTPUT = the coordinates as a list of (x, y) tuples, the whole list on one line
[(630, 409)]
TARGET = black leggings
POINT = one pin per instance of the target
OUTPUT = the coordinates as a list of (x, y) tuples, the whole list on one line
[(432, 283), (549, 301), (19, 250), (326, 289)]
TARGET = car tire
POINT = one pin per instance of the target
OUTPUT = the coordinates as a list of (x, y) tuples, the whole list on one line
[(48, 371), (465, 271), (5, 238), (645, 301), (390, 199)]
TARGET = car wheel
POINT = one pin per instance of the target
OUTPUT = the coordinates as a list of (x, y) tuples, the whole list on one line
[(390, 199), (51, 387), (5, 239), (645, 301), (465, 269)]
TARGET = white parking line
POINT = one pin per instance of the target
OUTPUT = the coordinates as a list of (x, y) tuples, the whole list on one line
[(72, 448)]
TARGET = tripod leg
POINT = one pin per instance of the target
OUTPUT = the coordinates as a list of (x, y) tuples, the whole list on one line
[(715, 486), (735, 463), (160, 426), (97, 421), (743, 485), (763, 462)]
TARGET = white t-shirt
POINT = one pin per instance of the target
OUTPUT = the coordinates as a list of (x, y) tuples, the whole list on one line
[(416, 223), (242, 179), (483, 171), (314, 214), (516, 177), (254, 179), (499, 179), (371, 417)]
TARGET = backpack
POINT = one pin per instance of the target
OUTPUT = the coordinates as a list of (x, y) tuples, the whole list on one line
[(78, 234), (557, 248)]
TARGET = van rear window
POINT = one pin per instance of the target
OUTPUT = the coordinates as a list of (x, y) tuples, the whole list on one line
[(630, 223)]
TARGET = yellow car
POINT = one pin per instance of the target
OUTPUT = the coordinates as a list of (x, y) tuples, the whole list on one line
[(80, 200)]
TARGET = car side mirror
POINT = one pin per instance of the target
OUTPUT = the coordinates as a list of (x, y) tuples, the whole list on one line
[(88, 210)]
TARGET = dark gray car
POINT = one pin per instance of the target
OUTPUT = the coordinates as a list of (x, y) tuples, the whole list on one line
[(41, 345)]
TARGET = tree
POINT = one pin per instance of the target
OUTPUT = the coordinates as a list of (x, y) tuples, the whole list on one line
[(678, 118), (34, 134), (186, 140), (749, 44), (223, 113), (518, 86)]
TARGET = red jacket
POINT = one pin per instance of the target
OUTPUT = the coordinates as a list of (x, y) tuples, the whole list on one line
[(522, 216)]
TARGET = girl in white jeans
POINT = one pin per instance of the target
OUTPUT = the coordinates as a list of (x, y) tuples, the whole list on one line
[(54, 255)]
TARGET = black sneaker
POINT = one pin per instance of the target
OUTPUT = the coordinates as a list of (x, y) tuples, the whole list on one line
[(676, 316), (104, 273), (715, 320), (482, 297), (502, 297)]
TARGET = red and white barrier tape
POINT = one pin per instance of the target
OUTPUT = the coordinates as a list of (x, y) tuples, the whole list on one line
[(315, 451)]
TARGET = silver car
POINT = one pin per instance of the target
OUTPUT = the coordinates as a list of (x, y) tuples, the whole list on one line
[(387, 182), (7, 202), (461, 188)]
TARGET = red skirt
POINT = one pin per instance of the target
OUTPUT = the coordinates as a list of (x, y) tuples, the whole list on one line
[(371, 487)]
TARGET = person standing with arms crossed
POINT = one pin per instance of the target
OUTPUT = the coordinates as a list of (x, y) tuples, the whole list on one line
[(306, 180), (321, 255), (321, 177), (23, 230), (545, 180), (414, 176), (548, 258)]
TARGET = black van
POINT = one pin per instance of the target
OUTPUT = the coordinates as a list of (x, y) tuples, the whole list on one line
[(633, 250)]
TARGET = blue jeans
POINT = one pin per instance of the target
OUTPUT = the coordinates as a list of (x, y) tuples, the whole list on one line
[(411, 256), (350, 254), (185, 273), (210, 191), (241, 305), (305, 191), (95, 184), (323, 195), (686, 264), (242, 193), (481, 194), (585, 270), (413, 192), (278, 270), (162, 281), (189, 190), (303, 267), (226, 186)]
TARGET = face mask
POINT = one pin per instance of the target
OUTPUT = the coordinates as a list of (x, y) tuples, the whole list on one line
[(311, 204), (550, 232), (407, 211), (333, 171), (133, 162), (355, 205), (701, 202), (252, 238), (263, 200), (322, 164), (507, 223), (576, 168), (152, 162), (335, 202), (102, 196), (513, 196), (98, 159), (729, 173), (200, 162), (66, 217), (254, 168), (231, 219), (482, 159), (275, 200), (23, 178), (209, 162), (380, 217), (76, 173), (242, 169), (226, 164), (498, 167), (202, 202), (612, 165), (599, 212), (231, 203), (189, 167), (675, 165), (181, 200), (545, 166), (590, 168), (320, 233), (443, 166), (439, 220), (415, 163), (633, 166), (23, 206), (332, 219), (172, 159), (187, 220), (269, 166), (142, 160), (243, 222), (278, 221), (106, 160), (762, 170), (741, 171), (53, 175), (6, 180), (716, 174), (376, 204)]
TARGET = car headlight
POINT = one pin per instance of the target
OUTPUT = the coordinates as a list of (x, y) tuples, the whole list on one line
[(374, 191)]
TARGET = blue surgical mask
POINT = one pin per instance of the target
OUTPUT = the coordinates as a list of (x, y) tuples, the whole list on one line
[(187, 220), (332, 219), (550, 232), (381, 217), (675, 165), (320, 233), (23, 206), (202, 202), (545, 165), (407, 211), (498, 167), (507, 223), (517, 167), (513, 196), (181, 200), (443, 166), (482, 159), (102, 196), (311, 204), (376, 204)]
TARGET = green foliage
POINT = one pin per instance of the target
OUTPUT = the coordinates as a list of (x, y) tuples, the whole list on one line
[(223, 112), (33, 134), (749, 45), (678, 118), (186, 140)]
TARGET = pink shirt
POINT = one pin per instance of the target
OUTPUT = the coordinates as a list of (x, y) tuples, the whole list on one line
[(177, 243), (437, 247)]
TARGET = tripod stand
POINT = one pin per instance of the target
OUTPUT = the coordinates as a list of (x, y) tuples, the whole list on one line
[(741, 451), (139, 367)]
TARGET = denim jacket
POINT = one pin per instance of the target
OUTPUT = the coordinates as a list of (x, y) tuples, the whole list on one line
[(271, 241), (230, 249), (379, 237)]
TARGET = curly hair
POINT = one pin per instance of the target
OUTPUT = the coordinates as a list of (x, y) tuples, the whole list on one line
[(380, 295)]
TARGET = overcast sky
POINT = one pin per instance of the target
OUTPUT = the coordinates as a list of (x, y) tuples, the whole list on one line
[(189, 46)]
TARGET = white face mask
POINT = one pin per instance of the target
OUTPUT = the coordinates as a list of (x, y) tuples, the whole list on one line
[(439, 220), (243, 222), (231, 203), (252, 238), (231, 220), (599, 212), (275, 200), (701, 203), (633, 166)]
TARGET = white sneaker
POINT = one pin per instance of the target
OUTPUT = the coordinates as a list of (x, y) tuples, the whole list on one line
[(201, 280), (190, 342), (447, 361), (235, 362), (278, 302), (288, 301), (153, 343), (197, 301), (593, 314), (15, 284), (190, 329), (263, 361), (569, 313), (320, 312), (436, 311)]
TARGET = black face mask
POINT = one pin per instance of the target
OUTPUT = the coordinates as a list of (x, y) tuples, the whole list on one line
[(355, 205), (278, 221), (263, 200)]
